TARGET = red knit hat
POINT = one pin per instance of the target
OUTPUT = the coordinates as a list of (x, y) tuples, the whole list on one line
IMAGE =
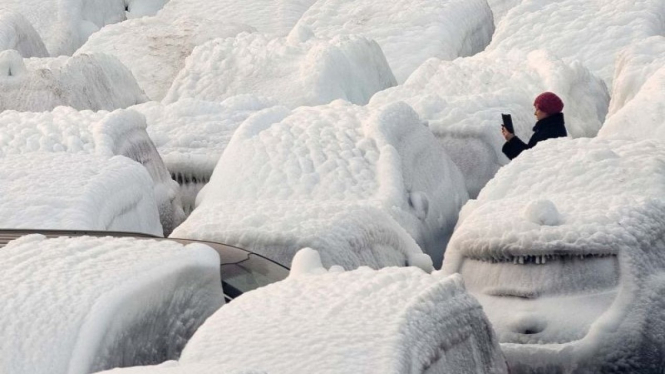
[(548, 103)]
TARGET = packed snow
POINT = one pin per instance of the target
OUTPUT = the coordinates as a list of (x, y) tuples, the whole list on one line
[(340, 178), (463, 100), (18, 34), (95, 82), (394, 320), (80, 305), (592, 31), (155, 48), (501, 7), (299, 70), (104, 134), (408, 31), (564, 249), (76, 192)]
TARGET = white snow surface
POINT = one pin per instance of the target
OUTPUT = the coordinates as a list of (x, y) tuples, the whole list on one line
[(299, 70), (104, 134), (592, 32), (80, 305), (462, 100), (95, 82), (64, 25), (408, 31), (501, 7), (339, 178), (574, 229), (394, 320), (17, 33), (155, 48), (76, 192), (143, 8)]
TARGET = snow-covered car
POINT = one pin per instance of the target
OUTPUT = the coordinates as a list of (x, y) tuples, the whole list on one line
[(565, 250)]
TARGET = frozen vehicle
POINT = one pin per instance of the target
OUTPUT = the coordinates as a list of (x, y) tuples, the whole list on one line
[(102, 134), (565, 250), (362, 185), (389, 321)]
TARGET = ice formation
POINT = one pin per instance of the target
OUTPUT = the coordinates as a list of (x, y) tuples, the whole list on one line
[(392, 321), (76, 192), (143, 8), (349, 181), (95, 82), (564, 249), (80, 305), (463, 100), (64, 25), (18, 34), (104, 134), (299, 70), (591, 32), (409, 32), (155, 48), (191, 135), (501, 7)]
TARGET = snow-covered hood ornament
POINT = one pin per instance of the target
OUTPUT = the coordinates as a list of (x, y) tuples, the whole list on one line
[(565, 250)]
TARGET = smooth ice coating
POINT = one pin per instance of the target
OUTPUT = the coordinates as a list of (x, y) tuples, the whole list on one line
[(155, 48), (338, 178), (592, 32), (95, 82), (409, 32), (80, 305), (143, 8), (64, 25), (18, 34), (463, 100), (300, 70), (104, 134), (564, 249), (76, 192)]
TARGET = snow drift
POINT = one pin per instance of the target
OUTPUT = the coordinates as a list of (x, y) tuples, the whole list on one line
[(95, 82), (300, 70), (463, 100), (103, 134), (409, 32), (80, 305), (339, 178), (18, 34), (564, 249)]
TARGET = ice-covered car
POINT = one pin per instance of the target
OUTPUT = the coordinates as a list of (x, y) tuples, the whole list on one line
[(565, 250)]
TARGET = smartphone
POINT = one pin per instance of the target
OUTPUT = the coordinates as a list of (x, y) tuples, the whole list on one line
[(508, 122)]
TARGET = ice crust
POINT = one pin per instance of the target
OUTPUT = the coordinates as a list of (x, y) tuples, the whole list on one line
[(18, 34), (339, 178), (76, 192), (104, 134), (299, 70), (155, 48), (463, 100), (409, 32), (576, 227), (591, 32), (95, 82), (80, 305)]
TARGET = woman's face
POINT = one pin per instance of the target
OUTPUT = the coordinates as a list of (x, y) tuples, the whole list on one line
[(539, 113)]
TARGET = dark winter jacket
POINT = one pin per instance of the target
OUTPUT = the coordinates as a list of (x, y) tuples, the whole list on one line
[(547, 128)]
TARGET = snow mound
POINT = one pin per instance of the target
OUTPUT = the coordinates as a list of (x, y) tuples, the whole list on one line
[(409, 32), (95, 82), (103, 134), (501, 7), (323, 177), (592, 32), (463, 100), (64, 25), (564, 249), (76, 192), (267, 16), (155, 48), (295, 71), (80, 305), (17, 33)]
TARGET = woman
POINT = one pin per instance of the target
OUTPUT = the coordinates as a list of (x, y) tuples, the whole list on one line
[(550, 125)]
